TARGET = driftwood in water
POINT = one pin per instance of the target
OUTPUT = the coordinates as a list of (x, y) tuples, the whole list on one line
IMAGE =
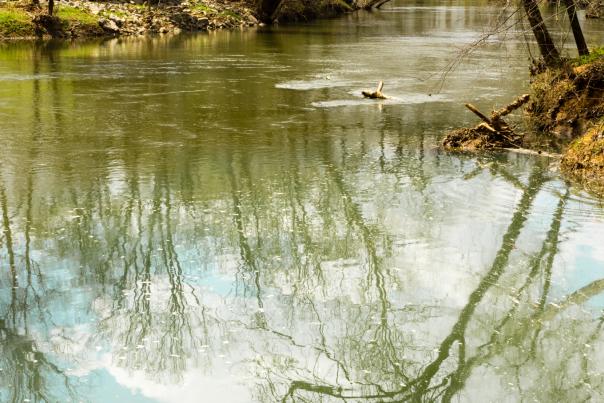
[(492, 132), (377, 94), (533, 152)]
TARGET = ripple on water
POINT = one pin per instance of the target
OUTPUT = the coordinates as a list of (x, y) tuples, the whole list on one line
[(317, 84), (25, 77), (581, 206), (488, 199)]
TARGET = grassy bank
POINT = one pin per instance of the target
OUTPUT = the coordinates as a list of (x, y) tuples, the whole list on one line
[(15, 22)]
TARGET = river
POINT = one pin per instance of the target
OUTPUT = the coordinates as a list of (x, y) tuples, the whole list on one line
[(222, 218)]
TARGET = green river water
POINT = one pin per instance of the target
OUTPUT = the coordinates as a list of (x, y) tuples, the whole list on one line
[(222, 218)]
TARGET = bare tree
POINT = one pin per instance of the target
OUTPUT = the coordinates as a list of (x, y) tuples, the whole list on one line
[(266, 9), (576, 27), (544, 40)]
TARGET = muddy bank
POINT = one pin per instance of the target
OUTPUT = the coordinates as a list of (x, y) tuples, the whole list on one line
[(565, 114)]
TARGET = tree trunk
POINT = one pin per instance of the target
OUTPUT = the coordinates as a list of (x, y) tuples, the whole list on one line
[(544, 40), (51, 6), (576, 27), (266, 10)]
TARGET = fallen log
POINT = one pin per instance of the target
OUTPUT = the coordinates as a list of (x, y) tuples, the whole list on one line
[(479, 114), (518, 102), (377, 94), (492, 132)]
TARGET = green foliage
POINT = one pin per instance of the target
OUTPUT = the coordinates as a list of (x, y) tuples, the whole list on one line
[(594, 54), (114, 13), (231, 14), (15, 22)]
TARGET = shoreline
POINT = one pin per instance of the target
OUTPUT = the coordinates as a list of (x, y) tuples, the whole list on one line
[(86, 19), (83, 19)]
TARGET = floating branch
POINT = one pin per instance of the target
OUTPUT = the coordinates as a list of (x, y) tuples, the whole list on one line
[(377, 94)]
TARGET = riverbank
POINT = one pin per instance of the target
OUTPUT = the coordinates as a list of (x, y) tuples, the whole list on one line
[(565, 114), (75, 18)]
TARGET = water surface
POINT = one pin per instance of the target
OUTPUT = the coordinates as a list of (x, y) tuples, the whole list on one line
[(223, 218)]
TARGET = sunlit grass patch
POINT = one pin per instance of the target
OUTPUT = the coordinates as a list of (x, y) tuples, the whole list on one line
[(15, 22), (76, 16), (594, 54), (203, 8), (231, 14)]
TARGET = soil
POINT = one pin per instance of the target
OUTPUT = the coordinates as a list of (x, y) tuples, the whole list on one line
[(564, 103), (584, 159)]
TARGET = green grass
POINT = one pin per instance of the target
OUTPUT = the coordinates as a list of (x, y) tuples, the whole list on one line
[(232, 14), (75, 15), (138, 6), (204, 8), (15, 23), (594, 54), (114, 13)]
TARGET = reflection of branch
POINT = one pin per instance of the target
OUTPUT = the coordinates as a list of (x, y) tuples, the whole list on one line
[(29, 369), (578, 297), (421, 385), (423, 381), (247, 255), (133, 320), (9, 250), (31, 373), (550, 245)]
